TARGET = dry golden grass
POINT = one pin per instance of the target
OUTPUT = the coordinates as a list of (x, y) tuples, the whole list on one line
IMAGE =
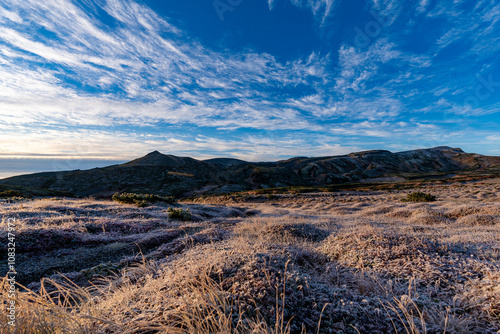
[(349, 262)]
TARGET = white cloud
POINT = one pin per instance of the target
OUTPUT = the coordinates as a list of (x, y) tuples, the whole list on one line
[(422, 6), (357, 67), (85, 144), (475, 26), (150, 62), (9, 15), (319, 8), (145, 72), (387, 10), (322, 8)]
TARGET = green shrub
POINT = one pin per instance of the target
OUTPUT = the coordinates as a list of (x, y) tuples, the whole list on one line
[(179, 214), (11, 193), (142, 200), (419, 197), (142, 203)]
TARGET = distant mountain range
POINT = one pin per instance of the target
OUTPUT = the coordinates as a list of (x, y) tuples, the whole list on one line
[(182, 176)]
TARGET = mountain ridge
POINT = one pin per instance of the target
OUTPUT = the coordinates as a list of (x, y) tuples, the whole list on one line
[(180, 176)]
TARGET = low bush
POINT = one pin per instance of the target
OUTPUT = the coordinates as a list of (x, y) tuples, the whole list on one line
[(418, 197), (179, 214), (142, 200)]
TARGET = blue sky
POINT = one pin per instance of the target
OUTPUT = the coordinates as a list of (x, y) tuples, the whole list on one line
[(93, 80)]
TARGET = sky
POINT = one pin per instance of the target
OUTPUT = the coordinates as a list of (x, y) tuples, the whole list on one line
[(95, 82)]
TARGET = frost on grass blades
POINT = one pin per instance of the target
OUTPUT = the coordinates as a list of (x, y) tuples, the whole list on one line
[(11, 272)]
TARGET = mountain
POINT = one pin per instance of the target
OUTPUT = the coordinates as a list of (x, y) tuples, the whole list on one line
[(161, 160), (226, 162), (181, 176)]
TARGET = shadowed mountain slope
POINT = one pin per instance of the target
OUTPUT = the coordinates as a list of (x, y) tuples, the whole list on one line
[(181, 176), (163, 160)]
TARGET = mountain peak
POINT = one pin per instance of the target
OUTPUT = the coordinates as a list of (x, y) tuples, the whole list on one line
[(448, 148), (156, 158), (153, 154)]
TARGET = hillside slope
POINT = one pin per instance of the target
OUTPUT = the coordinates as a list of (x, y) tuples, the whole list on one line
[(181, 176)]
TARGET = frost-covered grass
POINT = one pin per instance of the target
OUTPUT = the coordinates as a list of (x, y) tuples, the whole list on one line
[(347, 262)]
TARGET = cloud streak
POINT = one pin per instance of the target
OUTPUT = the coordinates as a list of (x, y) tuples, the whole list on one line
[(93, 68), (138, 68)]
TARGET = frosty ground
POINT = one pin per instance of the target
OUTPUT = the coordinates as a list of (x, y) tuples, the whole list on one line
[(342, 262)]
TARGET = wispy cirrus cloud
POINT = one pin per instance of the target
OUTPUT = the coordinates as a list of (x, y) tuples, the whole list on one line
[(319, 8), (475, 25), (322, 8), (146, 65), (97, 67)]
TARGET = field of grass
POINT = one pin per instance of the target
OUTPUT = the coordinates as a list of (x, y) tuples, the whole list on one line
[(352, 261)]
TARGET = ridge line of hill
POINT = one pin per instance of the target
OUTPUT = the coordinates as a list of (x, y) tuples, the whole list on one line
[(182, 176)]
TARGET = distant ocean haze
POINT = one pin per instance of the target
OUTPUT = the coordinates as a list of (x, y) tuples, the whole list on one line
[(12, 166)]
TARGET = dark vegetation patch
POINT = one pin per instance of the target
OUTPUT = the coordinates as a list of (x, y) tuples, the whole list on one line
[(142, 200), (13, 191), (179, 214)]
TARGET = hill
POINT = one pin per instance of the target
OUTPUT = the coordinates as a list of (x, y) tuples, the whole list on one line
[(184, 176)]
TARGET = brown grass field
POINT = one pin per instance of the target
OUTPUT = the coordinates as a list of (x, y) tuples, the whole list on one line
[(342, 262)]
